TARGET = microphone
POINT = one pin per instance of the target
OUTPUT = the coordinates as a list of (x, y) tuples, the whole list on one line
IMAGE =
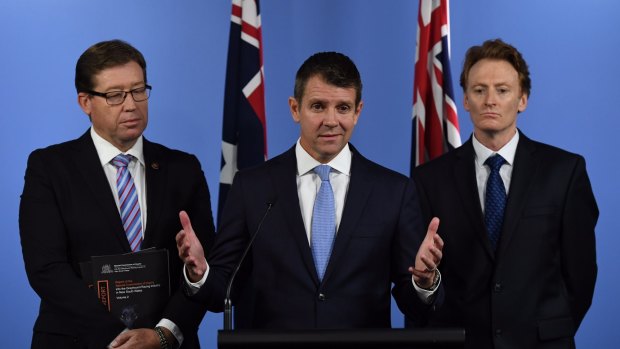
[(227, 301)]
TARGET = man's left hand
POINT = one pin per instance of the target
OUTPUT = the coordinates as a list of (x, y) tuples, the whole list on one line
[(428, 257)]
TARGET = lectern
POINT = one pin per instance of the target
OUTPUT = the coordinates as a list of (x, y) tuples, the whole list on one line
[(436, 338)]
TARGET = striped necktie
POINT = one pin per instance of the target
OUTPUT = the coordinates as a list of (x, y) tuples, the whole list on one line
[(128, 201)]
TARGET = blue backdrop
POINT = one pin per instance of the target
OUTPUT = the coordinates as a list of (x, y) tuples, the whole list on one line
[(572, 48)]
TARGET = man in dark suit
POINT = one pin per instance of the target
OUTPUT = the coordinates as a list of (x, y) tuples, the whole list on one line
[(71, 210), (519, 263), (375, 233)]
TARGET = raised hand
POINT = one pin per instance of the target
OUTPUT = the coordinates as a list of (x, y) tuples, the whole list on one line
[(428, 257), (190, 249)]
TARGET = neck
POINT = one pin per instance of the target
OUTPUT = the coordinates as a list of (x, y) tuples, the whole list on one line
[(494, 140)]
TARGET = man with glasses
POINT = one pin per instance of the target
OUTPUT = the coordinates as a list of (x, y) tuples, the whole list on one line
[(72, 209)]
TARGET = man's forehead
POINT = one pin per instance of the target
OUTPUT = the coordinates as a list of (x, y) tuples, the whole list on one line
[(320, 90), (494, 72), (128, 74)]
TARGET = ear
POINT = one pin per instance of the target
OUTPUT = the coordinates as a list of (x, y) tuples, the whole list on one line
[(522, 103), (358, 111), (465, 102), (294, 107), (85, 102)]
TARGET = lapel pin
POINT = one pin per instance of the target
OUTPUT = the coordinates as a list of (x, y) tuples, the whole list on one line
[(155, 165)]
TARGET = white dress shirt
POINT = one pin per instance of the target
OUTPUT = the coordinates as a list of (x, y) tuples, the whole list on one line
[(107, 152), (482, 153), (309, 183)]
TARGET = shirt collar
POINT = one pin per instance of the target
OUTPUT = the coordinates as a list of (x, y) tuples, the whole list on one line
[(507, 151), (107, 151), (305, 162)]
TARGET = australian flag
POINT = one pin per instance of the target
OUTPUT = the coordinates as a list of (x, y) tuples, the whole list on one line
[(244, 132), (435, 119)]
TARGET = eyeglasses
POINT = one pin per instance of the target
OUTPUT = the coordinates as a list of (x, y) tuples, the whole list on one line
[(139, 94)]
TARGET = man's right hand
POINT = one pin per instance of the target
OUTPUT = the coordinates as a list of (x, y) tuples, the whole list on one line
[(190, 250)]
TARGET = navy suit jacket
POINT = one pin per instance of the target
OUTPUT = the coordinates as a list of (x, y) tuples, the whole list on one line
[(535, 289), (68, 214), (377, 240)]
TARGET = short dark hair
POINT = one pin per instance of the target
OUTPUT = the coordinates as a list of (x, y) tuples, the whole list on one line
[(333, 67), (497, 50), (103, 55)]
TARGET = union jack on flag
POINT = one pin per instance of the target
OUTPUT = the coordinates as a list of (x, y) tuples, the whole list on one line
[(244, 130), (435, 119)]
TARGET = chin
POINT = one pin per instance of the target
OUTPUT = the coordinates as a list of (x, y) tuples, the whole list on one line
[(489, 126), (131, 138), (332, 149)]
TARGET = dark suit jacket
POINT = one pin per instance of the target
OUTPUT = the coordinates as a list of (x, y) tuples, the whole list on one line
[(535, 289), (68, 214), (379, 234)]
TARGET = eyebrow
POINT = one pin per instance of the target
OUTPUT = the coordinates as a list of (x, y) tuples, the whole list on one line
[(485, 84), (135, 85)]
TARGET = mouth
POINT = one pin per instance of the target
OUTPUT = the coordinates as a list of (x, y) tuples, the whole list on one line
[(490, 115), (329, 136), (131, 122)]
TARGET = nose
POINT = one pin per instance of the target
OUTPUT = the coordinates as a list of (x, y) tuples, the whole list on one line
[(330, 119), (129, 104), (490, 99)]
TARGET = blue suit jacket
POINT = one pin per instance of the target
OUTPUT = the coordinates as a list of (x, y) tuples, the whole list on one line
[(68, 214), (379, 234), (535, 289)]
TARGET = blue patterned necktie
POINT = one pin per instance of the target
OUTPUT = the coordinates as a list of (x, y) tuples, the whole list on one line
[(323, 221), (128, 201), (495, 201)]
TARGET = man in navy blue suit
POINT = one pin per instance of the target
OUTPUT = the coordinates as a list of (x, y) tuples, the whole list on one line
[(70, 210), (524, 278), (378, 236)]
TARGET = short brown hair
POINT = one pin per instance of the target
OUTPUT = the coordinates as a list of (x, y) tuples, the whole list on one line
[(497, 50), (103, 55), (333, 67)]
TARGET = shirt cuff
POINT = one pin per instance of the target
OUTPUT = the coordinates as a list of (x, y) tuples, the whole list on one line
[(194, 287), (172, 327), (425, 295)]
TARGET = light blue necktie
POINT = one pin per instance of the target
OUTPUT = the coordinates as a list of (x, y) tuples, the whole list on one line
[(128, 201), (323, 221), (495, 201)]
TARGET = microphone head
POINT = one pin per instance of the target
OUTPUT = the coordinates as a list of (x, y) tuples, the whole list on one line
[(271, 201)]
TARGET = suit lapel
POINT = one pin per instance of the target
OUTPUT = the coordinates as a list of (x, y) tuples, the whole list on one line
[(360, 187), (284, 176), (525, 166), (465, 179), (155, 171), (87, 164)]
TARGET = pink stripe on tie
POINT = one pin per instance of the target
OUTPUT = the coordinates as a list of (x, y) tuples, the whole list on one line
[(128, 201)]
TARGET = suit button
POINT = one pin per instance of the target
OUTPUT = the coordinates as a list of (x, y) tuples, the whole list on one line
[(498, 332), (322, 297), (497, 287)]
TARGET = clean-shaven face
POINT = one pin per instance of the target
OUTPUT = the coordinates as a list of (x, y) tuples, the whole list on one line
[(120, 124), (493, 98), (327, 115)]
